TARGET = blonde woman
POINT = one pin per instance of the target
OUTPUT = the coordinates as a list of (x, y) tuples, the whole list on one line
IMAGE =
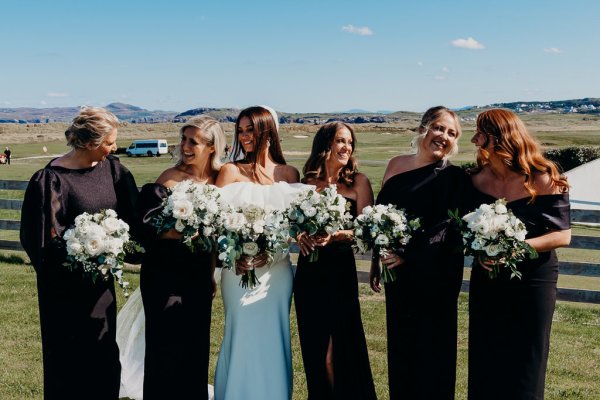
[(421, 304), (177, 285)]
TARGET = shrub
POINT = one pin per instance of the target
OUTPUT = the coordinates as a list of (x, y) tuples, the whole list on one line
[(571, 157)]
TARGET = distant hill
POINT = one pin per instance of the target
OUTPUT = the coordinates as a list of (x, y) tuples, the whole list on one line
[(125, 112), (134, 114)]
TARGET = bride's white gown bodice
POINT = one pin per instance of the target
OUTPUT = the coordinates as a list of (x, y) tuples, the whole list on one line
[(255, 361)]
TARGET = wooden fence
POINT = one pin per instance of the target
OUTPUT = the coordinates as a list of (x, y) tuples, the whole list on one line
[(566, 267)]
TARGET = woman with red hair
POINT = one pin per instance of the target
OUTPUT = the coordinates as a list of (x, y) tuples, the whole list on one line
[(510, 319)]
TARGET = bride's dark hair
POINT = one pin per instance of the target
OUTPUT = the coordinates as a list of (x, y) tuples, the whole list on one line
[(265, 134)]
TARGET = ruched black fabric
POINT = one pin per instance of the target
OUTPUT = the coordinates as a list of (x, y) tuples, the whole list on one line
[(77, 316), (421, 305), (510, 319), (176, 287), (327, 307)]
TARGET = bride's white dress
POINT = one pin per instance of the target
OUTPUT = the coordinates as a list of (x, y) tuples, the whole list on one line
[(255, 361)]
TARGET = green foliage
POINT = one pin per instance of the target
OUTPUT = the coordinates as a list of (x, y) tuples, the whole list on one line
[(574, 156)]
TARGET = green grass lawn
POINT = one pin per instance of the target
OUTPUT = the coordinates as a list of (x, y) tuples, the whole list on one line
[(573, 371)]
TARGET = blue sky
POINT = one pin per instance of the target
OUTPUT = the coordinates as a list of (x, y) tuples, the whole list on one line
[(297, 56)]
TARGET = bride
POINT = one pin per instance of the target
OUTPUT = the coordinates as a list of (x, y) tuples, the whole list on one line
[(255, 361)]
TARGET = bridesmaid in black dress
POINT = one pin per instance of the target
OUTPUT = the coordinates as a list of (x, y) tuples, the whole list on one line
[(421, 305), (332, 339), (510, 319), (77, 316), (177, 285)]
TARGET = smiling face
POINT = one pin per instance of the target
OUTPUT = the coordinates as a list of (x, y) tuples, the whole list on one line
[(108, 145), (441, 137), (194, 147), (341, 147), (245, 134)]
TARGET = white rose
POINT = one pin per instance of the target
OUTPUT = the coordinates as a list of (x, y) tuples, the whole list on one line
[(93, 246), (258, 227), (310, 212), (250, 249), (74, 247), (500, 208), (69, 234), (382, 240), (182, 209), (111, 224), (111, 213), (493, 250)]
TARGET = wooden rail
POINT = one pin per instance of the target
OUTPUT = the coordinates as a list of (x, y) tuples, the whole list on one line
[(565, 267)]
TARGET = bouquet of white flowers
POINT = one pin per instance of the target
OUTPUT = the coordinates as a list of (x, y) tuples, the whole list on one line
[(97, 244), (249, 231), (383, 228), (318, 212), (492, 232), (191, 208)]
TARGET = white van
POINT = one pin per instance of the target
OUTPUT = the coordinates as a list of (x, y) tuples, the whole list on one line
[(150, 148)]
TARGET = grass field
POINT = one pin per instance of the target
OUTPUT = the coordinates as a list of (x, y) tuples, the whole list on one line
[(573, 372)]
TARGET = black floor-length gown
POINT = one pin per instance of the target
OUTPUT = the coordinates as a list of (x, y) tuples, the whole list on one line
[(327, 306), (176, 286), (77, 316), (421, 305), (510, 319)]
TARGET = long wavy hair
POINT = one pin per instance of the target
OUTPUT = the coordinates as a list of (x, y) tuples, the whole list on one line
[(517, 149), (321, 149), (265, 134), (430, 117)]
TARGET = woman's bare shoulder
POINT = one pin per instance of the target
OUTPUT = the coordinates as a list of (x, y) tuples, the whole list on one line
[(289, 173)]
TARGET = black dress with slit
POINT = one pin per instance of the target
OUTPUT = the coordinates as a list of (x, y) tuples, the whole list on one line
[(77, 316), (510, 319), (176, 286), (327, 307), (421, 305)]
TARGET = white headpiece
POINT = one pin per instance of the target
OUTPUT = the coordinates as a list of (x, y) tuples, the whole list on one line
[(273, 114)]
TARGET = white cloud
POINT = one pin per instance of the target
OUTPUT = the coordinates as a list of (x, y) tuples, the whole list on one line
[(553, 50), (55, 94), (469, 43), (445, 69), (357, 30), (420, 63), (43, 102), (439, 78)]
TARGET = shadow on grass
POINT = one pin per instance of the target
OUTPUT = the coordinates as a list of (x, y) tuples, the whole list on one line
[(13, 259)]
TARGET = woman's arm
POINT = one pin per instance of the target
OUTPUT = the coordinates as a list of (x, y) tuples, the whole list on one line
[(550, 241)]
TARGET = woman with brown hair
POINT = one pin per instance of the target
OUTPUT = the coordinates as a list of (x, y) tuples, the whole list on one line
[(255, 361), (77, 315), (510, 319), (421, 304), (332, 339)]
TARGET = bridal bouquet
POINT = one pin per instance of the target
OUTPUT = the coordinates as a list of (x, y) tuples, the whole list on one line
[(493, 233), (97, 244), (318, 212), (191, 208), (383, 228), (249, 231)]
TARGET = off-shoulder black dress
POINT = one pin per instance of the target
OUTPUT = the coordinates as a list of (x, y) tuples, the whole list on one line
[(176, 287), (510, 319), (421, 306), (327, 307), (77, 316)]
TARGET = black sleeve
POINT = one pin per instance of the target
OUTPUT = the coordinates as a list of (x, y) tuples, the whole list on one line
[(149, 204), (41, 205)]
